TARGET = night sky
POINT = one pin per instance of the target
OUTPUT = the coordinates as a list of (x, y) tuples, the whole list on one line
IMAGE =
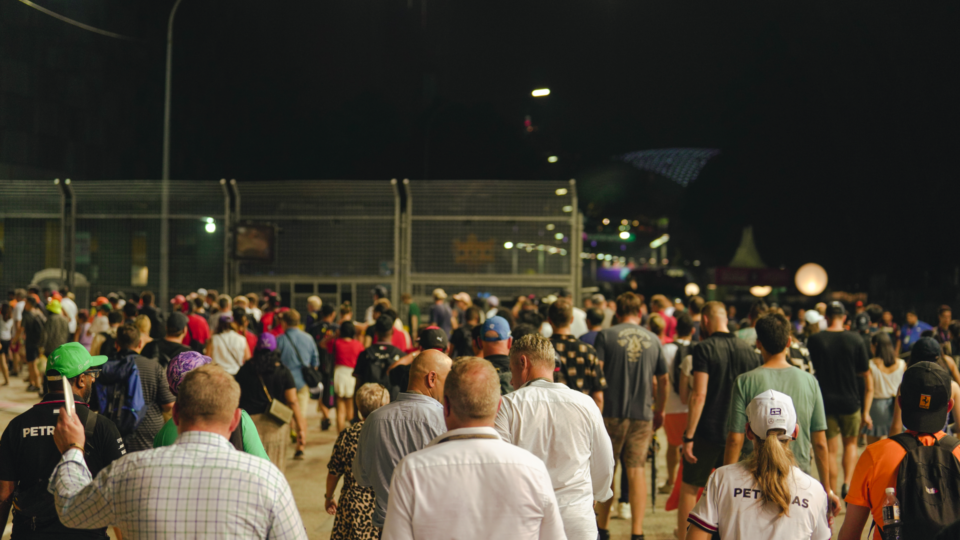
[(836, 121)]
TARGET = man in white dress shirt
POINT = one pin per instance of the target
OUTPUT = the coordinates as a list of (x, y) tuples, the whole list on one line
[(562, 427), (467, 482)]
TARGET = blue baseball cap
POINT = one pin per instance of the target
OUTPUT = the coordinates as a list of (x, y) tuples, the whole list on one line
[(498, 325)]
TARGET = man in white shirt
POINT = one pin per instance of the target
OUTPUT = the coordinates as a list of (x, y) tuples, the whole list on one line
[(562, 427), (467, 482)]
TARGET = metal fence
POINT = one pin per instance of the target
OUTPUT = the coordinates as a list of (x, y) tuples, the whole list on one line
[(497, 237), (336, 239)]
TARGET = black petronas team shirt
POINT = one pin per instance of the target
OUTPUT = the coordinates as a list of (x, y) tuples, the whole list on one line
[(28, 456)]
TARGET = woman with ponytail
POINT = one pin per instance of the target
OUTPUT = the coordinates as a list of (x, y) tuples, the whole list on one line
[(767, 496)]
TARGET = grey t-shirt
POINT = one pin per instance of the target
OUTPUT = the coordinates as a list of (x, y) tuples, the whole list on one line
[(631, 356), (156, 392), (390, 433)]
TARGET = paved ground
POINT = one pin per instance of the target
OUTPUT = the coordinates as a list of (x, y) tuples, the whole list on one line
[(308, 477)]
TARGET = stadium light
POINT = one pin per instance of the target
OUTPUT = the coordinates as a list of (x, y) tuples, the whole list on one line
[(540, 92)]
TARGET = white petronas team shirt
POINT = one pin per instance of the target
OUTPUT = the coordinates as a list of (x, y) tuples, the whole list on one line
[(565, 429), (731, 504), (485, 487)]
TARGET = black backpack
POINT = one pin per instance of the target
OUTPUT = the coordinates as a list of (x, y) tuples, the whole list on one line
[(928, 486)]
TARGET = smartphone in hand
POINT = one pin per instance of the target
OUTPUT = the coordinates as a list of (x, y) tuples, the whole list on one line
[(68, 403)]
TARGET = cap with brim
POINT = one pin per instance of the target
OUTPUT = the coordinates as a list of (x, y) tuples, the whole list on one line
[(53, 306), (178, 299), (924, 397), (926, 349), (772, 410), (176, 322), (266, 342), (498, 325), (812, 316), (836, 308), (70, 360), (432, 338)]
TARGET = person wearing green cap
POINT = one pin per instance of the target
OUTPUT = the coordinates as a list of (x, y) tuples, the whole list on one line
[(28, 453)]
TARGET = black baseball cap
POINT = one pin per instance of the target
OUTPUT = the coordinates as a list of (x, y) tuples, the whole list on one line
[(926, 349), (176, 322), (924, 396), (432, 337), (836, 308)]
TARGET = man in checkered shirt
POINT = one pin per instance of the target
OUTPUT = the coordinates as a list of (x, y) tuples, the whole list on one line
[(200, 487)]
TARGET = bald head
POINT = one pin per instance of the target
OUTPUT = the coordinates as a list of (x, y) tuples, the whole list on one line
[(428, 373), (471, 393)]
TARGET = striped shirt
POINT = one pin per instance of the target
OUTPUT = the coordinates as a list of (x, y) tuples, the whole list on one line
[(200, 487)]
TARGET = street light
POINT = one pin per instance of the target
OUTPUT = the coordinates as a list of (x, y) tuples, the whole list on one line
[(540, 92), (660, 241), (165, 171)]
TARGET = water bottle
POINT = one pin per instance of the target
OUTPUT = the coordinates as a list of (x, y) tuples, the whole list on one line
[(891, 516)]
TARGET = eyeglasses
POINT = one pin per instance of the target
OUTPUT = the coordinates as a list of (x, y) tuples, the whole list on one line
[(93, 373)]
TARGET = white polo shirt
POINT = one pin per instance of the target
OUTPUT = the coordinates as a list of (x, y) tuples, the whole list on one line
[(565, 429), (471, 487), (731, 504)]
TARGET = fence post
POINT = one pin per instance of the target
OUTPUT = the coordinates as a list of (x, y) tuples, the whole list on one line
[(575, 238), (395, 293), (63, 233), (407, 238), (164, 289), (235, 265), (226, 236), (72, 237)]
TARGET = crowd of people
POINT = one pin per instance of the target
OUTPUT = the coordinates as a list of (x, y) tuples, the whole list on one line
[(513, 418)]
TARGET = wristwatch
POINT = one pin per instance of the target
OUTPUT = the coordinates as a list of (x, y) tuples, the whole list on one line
[(687, 439)]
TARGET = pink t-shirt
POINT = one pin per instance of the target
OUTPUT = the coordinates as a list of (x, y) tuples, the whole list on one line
[(345, 352)]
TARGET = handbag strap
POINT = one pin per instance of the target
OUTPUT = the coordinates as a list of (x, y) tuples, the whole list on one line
[(265, 391), (295, 350)]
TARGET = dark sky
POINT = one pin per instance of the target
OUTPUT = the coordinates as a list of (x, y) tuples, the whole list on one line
[(837, 120)]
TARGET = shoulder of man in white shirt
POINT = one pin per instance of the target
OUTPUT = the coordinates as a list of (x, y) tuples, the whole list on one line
[(446, 453)]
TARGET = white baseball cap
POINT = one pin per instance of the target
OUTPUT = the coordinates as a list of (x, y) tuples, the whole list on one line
[(812, 316), (772, 410)]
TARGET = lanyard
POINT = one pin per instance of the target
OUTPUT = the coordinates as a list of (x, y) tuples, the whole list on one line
[(464, 437)]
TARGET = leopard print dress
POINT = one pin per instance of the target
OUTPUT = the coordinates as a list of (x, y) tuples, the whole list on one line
[(354, 519)]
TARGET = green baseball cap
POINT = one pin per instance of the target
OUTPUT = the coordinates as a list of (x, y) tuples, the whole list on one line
[(72, 359)]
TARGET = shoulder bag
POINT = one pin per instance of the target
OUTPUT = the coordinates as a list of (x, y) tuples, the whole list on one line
[(278, 411), (310, 376)]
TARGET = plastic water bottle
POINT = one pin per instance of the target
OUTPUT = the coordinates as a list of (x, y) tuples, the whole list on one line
[(891, 516)]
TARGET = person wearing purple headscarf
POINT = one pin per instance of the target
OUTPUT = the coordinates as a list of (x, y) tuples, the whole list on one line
[(263, 379), (179, 366)]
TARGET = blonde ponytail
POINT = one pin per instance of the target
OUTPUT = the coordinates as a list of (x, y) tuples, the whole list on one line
[(770, 466)]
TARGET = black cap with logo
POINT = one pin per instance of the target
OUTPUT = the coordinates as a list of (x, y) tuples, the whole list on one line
[(924, 396)]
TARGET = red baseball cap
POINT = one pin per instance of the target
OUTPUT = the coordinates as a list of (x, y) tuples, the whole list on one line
[(100, 301), (178, 299)]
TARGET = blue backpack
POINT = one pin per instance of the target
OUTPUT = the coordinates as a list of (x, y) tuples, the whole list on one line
[(119, 395)]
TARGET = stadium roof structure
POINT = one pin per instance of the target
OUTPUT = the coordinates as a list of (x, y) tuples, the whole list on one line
[(682, 165)]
